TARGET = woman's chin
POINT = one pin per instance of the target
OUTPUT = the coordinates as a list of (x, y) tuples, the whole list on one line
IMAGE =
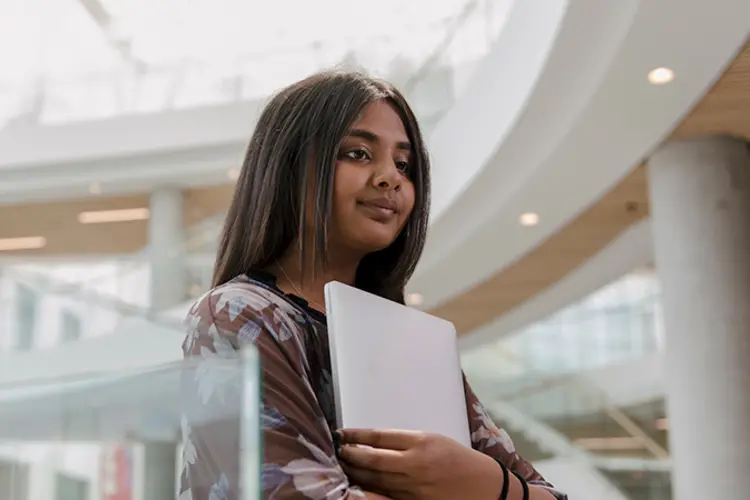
[(374, 241)]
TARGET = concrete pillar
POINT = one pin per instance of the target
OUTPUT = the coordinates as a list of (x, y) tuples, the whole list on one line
[(700, 201), (166, 241), (168, 289)]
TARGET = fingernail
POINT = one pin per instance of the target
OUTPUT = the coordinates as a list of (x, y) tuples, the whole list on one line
[(337, 442)]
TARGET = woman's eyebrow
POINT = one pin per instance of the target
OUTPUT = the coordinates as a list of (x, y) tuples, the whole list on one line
[(369, 136)]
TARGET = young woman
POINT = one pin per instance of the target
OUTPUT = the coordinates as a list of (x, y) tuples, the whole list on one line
[(334, 186)]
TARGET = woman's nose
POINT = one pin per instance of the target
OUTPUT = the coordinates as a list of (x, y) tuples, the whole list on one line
[(388, 177)]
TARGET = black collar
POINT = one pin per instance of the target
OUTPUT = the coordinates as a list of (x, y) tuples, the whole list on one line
[(269, 280)]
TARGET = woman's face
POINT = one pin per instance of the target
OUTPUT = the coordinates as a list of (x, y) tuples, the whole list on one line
[(373, 194)]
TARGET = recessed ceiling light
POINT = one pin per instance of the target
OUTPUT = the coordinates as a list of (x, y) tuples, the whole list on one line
[(660, 76), (26, 243), (95, 188), (104, 216), (414, 299), (529, 219), (233, 174)]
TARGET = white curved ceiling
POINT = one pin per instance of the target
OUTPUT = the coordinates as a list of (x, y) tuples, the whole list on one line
[(589, 119)]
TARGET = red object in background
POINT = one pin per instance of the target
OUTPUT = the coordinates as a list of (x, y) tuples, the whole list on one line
[(117, 473)]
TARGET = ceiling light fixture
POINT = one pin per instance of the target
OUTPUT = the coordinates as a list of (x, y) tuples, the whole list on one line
[(660, 76), (414, 299), (26, 243), (104, 216), (529, 219)]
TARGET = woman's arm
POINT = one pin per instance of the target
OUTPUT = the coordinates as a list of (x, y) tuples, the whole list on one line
[(298, 454), (536, 491), (488, 438)]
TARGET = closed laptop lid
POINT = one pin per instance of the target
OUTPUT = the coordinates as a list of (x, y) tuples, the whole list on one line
[(394, 367)]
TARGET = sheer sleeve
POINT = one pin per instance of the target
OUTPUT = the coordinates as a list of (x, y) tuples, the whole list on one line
[(298, 454), (490, 439)]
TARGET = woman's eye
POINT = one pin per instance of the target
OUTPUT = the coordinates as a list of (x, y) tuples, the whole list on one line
[(402, 165), (358, 155)]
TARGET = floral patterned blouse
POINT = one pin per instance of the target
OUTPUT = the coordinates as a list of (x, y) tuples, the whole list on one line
[(297, 415)]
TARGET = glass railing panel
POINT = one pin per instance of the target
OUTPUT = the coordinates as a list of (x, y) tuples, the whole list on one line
[(590, 335), (591, 374), (555, 372), (643, 484), (119, 436)]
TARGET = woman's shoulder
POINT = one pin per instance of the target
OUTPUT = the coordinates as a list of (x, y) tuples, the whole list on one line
[(241, 302)]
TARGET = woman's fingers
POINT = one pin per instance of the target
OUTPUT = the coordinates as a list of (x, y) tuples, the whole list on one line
[(375, 459), (384, 483), (381, 438)]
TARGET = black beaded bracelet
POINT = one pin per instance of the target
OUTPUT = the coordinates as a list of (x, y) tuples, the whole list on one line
[(524, 485), (506, 482)]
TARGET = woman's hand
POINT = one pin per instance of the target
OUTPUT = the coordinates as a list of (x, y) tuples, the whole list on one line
[(415, 465)]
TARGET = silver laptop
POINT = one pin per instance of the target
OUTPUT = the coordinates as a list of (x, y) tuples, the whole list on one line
[(394, 367)]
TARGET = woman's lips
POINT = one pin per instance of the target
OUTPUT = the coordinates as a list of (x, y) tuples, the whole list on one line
[(381, 209)]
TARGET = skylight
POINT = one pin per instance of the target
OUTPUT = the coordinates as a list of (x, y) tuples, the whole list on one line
[(63, 60)]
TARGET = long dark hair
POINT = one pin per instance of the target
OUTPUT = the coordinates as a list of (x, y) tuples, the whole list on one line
[(299, 134)]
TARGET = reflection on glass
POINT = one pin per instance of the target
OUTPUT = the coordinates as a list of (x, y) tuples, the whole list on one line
[(119, 436), (584, 386), (616, 324), (26, 314)]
